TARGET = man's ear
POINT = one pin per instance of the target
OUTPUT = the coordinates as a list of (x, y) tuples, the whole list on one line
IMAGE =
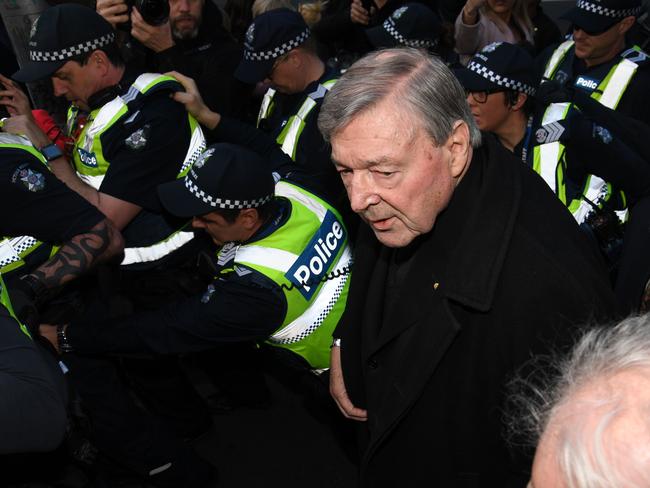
[(459, 148), (100, 62), (249, 218), (626, 24)]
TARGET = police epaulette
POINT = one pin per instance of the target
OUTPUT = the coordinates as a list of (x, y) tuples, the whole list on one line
[(635, 54)]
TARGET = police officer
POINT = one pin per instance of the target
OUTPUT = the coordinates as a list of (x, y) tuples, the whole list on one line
[(52, 235), (282, 267), (279, 49)]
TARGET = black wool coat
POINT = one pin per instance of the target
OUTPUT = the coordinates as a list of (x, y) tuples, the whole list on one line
[(504, 275)]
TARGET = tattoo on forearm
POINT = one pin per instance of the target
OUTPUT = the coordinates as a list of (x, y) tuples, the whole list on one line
[(75, 256)]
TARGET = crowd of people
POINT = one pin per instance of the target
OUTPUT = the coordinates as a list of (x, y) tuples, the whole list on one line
[(402, 209)]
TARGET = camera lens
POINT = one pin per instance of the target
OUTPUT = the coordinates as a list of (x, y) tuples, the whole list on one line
[(154, 12)]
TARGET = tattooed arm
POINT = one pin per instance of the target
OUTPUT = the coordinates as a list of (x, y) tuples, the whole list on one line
[(79, 254)]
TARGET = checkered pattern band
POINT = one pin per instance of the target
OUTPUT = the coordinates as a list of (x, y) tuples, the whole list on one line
[(278, 51), (224, 202), (69, 52), (497, 79), (594, 8), (390, 28)]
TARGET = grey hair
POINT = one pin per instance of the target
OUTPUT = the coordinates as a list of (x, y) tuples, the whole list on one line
[(582, 454), (420, 83)]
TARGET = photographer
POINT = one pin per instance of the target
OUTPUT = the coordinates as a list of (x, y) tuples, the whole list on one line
[(190, 40)]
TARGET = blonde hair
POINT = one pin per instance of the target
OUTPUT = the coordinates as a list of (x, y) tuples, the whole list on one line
[(312, 11), (261, 6)]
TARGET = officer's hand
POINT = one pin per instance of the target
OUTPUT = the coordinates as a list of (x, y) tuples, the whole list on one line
[(155, 37), (12, 97), (26, 126), (358, 14), (193, 102), (23, 301), (338, 391), (470, 11), (114, 11), (48, 331)]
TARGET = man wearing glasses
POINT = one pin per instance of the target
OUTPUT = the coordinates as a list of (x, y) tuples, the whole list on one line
[(280, 51)]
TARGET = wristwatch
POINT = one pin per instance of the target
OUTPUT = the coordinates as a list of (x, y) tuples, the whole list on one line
[(51, 152), (336, 342)]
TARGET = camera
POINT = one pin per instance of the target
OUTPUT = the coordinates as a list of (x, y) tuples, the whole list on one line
[(154, 12)]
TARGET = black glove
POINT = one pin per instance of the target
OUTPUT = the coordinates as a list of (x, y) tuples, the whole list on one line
[(553, 92)]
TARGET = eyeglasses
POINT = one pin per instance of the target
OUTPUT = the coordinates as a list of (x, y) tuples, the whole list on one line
[(482, 96), (595, 32)]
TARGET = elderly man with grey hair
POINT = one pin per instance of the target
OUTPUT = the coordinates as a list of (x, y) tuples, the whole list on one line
[(594, 412), (467, 266)]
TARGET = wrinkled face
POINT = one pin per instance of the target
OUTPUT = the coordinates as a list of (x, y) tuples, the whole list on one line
[(219, 229), (76, 83), (589, 47), (501, 6), (185, 17), (397, 179), (490, 115)]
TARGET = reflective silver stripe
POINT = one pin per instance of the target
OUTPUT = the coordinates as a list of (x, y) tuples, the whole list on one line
[(147, 254), (623, 73), (160, 469), (295, 127), (317, 311), (284, 190), (557, 57), (550, 153), (197, 146), (596, 188), (94, 181), (11, 248), (266, 103), (268, 257)]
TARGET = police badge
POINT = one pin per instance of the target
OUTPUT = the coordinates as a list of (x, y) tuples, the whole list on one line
[(399, 12), (31, 179), (138, 139)]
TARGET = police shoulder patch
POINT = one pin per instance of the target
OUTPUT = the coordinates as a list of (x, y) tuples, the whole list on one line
[(138, 139), (31, 179)]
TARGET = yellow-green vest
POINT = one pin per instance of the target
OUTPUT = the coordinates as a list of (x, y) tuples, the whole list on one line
[(15, 250), (290, 134), (6, 302), (309, 258), (549, 159), (91, 164)]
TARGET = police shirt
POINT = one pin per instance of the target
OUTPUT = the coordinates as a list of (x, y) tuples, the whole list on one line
[(145, 150), (34, 202), (243, 306)]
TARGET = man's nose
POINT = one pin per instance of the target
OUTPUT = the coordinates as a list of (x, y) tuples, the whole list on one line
[(361, 191), (58, 87)]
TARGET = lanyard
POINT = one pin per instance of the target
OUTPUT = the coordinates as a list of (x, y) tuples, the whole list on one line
[(524, 148)]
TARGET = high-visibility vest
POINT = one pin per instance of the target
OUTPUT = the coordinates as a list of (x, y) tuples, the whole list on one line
[(289, 136), (6, 302), (309, 258), (17, 251), (91, 164), (549, 159)]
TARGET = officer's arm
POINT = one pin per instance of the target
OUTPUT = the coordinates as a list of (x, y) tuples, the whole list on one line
[(79, 254)]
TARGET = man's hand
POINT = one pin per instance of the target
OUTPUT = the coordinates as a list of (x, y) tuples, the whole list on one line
[(358, 14), (26, 126), (114, 11), (193, 102), (48, 331), (155, 37), (12, 97), (338, 391)]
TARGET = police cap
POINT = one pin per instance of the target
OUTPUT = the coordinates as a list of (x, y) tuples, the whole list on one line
[(60, 33), (225, 176), (271, 35), (596, 16), (499, 65), (413, 25)]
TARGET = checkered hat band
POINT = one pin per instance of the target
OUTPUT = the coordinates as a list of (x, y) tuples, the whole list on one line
[(276, 52), (594, 8), (497, 79), (69, 52), (223, 202), (390, 28)]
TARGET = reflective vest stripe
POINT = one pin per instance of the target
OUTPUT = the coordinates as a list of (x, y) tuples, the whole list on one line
[(617, 83), (557, 57), (546, 165), (268, 257), (291, 132), (265, 107), (581, 208), (313, 317), (94, 181), (154, 252), (284, 190)]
